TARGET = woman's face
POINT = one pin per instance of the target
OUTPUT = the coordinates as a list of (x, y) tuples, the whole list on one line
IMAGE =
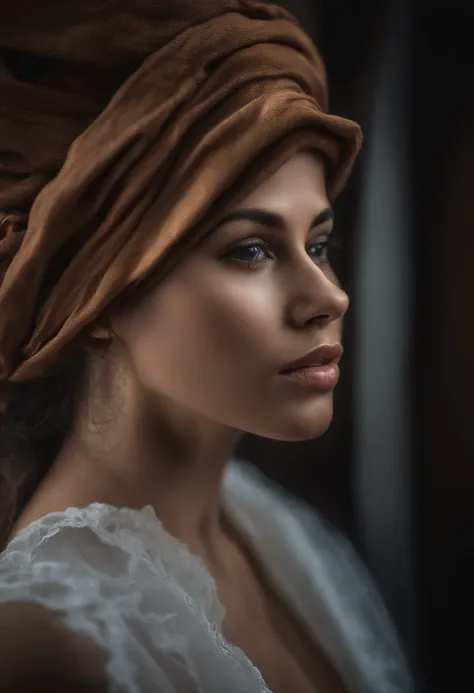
[(255, 296)]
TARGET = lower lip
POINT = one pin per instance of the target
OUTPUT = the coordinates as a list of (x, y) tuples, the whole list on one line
[(320, 377)]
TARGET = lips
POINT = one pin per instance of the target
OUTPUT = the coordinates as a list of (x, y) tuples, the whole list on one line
[(321, 356)]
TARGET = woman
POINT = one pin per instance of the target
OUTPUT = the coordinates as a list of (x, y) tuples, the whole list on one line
[(167, 287)]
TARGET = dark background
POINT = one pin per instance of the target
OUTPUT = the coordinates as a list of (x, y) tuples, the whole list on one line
[(396, 469)]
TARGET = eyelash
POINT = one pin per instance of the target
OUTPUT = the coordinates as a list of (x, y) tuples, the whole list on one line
[(259, 243)]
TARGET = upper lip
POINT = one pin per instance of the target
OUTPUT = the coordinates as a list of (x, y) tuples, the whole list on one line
[(321, 356)]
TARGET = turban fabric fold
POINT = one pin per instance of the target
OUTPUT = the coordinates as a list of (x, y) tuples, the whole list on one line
[(127, 127)]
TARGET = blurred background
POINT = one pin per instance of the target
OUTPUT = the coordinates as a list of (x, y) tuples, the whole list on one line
[(396, 469)]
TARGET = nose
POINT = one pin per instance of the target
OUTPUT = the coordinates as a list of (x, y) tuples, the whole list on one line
[(316, 299)]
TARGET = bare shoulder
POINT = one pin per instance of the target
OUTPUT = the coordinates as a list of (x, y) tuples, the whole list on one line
[(38, 653)]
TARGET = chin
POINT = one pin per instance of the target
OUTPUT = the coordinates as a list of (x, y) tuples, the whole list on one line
[(305, 423)]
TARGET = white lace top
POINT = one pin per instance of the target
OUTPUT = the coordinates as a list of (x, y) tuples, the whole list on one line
[(119, 577)]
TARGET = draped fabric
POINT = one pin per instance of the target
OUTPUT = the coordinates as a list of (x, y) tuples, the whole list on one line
[(127, 127), (119, 578)]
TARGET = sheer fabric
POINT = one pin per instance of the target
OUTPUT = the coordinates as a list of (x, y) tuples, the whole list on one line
[(119, 577)]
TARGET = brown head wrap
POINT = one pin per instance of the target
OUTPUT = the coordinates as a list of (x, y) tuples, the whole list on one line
[(137, 124)]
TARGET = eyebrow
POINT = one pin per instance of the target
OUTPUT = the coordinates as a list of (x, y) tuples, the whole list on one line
[(273, 219)]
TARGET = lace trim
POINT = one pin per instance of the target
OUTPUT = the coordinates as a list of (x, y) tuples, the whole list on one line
[(341, 606), (142, 536)]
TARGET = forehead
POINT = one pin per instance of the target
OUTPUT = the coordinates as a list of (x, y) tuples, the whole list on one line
[(299, 182)]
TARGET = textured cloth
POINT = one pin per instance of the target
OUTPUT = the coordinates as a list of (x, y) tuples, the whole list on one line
[(128, 126), (141, 595)]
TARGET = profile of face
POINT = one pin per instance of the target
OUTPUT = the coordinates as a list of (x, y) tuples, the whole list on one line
[(255, 296)]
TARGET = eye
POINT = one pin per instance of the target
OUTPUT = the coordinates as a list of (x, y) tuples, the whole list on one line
[(253, 253), (250, 254), (319, 250), (327, 248)]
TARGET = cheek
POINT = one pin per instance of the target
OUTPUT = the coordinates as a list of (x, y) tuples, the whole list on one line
[(238, 322), (205, 333)]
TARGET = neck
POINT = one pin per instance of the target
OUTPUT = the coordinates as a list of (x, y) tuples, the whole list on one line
[(146, 452)]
